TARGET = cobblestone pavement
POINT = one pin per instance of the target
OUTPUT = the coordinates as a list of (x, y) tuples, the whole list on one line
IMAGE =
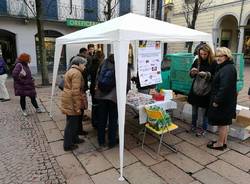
[(31, 151), (25, 155)]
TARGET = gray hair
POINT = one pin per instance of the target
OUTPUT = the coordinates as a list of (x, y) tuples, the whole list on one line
[(78, 60)]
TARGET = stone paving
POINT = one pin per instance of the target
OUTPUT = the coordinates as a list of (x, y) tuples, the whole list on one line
[(31, 151), (25, 155)]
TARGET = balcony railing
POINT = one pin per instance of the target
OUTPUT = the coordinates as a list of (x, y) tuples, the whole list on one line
[(17, 8)]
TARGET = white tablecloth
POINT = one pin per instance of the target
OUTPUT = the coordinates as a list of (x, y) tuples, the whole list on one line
[(138, 101)]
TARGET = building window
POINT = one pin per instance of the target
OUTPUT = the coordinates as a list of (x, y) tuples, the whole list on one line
[(124, 7), (3, 7), (91, 10), (50, 11), (226, 36)]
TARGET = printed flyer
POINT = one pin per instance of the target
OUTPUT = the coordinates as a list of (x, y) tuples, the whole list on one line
[(149, 62)]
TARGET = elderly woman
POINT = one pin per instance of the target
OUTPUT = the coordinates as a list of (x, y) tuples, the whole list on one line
[(223, 97), (24, 83), (73, 101)]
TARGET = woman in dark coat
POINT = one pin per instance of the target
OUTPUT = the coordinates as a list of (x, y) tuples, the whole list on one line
[(222, 107), (24, 83), (204, 67)]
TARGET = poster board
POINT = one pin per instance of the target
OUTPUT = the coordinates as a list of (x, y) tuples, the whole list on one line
[(149, 62)]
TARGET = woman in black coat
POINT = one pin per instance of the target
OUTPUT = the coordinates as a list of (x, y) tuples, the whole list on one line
[(203, 67), (222, 107)]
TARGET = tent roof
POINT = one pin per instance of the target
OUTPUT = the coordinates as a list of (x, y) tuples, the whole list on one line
[(134, 27)]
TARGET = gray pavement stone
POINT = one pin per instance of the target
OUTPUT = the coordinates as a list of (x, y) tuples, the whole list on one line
[(131, 142), (43, 117), (191, 138), (108, 177), (57, 148), (207, 176), (164, 150), (138, 173), (195, 182), (70, 166), (195, 153), (146, 156), (84, 147), (81, 179), (53, 135), (94, 162), (171, 139), (230, 172), (183, 162), (236, 159), (48, 125), (171, 174), (238, 147), (112, 155)]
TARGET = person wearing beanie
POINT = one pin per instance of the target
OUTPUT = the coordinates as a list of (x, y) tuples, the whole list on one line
[(24, 83), (4, 95)]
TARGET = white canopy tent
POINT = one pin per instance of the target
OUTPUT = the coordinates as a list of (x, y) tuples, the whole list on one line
[(120, 32)]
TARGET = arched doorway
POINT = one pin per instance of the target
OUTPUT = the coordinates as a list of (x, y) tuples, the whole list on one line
[(246, 46), (228, 32), (50, 40), (8, 47)]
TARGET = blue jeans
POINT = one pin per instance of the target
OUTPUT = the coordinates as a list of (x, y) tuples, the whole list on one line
[(107, 112), (195, 117)]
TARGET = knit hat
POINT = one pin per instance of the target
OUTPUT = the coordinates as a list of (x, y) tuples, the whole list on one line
[(24, 57)]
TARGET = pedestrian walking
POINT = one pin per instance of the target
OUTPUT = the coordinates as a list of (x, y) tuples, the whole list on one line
[(73, 102), (4, 95), (223, 101), (24, 85), (202, 71)]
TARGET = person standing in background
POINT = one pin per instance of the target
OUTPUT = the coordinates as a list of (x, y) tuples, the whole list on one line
[(24, 83), (96, 62), (4, 95)]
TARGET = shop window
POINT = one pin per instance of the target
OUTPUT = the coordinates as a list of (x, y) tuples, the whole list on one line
[(50, 40)]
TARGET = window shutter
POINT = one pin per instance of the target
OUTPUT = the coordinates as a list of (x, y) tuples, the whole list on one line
[(50, 10), (124, 7), (91, 10)]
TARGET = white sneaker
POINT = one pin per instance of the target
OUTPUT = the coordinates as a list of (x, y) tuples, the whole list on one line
[(24, 112), (39, 110)]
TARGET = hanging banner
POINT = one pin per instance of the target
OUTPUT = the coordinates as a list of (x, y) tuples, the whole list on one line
[(149, 62)]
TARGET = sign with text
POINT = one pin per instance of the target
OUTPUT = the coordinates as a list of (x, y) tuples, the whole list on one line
[(80, 23), (149, 62)]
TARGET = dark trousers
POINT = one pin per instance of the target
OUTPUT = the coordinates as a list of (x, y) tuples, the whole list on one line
[(70, 131), (79, 127), (23, 102), (107, 112), (94, 112)]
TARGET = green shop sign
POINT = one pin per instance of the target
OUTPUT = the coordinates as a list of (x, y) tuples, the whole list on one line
[(79, 23)]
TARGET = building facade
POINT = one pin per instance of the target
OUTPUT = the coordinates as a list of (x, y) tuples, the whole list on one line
[(60, 17), (227, 20)]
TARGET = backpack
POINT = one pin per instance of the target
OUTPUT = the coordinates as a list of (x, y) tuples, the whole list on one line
[(106, 78)]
